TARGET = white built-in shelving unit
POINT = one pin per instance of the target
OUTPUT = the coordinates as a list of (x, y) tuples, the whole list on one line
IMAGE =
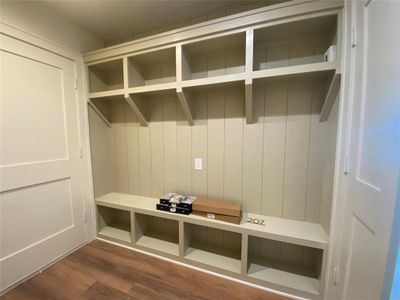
[(278, 45), (279, 50)]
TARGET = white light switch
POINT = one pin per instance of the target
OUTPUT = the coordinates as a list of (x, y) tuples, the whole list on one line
[(198, 164)]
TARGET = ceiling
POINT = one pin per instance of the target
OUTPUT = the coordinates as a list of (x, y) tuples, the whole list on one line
[(119, 21)]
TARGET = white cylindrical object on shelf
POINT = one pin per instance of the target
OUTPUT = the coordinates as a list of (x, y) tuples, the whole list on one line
[(330, 54)]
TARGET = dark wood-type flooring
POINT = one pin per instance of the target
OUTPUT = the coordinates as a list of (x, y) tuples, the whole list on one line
[(104, 271)]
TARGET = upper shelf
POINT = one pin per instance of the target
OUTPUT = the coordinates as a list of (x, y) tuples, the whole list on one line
[(284, 230), (287, 50)]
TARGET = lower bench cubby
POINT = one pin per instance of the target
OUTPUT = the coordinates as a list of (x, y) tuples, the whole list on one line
[(242, 251), (213, 247), (114, 223), (157, 233), (284, 264)]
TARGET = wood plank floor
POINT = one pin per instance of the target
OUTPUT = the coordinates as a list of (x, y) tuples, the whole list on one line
[(101, 270)]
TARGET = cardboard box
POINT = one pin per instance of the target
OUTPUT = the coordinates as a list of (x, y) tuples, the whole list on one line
[(225, 218), (217, 209)]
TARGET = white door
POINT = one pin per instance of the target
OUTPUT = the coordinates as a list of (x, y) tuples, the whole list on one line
[(375, 150), (42, 213)]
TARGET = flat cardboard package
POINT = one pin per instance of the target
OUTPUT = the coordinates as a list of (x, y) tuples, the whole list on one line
[(217, 209), (173, 209)]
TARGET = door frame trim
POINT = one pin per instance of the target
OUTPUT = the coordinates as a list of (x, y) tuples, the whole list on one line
[(333, 286)]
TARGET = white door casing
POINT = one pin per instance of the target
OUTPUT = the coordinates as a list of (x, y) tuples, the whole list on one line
[(374, 148), (42, 210)]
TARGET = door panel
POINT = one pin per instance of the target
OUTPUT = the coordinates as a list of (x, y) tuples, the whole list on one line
[(25, 206), (375, 147), (32, 109), (42, 211)]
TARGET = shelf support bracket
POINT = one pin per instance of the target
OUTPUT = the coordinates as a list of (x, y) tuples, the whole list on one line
[(139, 107), (330, 97), (186, 105), (99, 113), (248, 99)]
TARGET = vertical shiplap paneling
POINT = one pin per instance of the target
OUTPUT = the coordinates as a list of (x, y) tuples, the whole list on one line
[(215, 144), (153, 74), (253, 155), (329, 167), (273, 161), (234, 61), (233, 148), (215, 155), (275, 166), (198, 66), (157, 146), (315, 157), (216, 64), (296, 152), (113, 157), (145, 160), (170, 143), (233, 131), (274, 150), (120, 144), (199, 145), (103, 164), (184, 153), (270, 249), (259, 58), (301, 53), (277, 56), (291, 253), (168, 71), (132, 137)]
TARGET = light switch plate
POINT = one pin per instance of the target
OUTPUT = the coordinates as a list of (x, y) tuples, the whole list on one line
[(198, 164)]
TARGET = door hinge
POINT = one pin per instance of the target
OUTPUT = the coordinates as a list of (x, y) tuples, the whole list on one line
[(346, 166), (353, 37), (85, 217), (335, 276)]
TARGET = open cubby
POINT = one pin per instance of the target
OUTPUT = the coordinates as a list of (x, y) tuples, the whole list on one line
[(214, 57), (157, 233), (213, 247), (114, 223), (294, 43), (106, 76), (152, 68), (284, 263)]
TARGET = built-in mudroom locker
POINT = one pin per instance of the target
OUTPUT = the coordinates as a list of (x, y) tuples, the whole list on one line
[(255, 97)]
